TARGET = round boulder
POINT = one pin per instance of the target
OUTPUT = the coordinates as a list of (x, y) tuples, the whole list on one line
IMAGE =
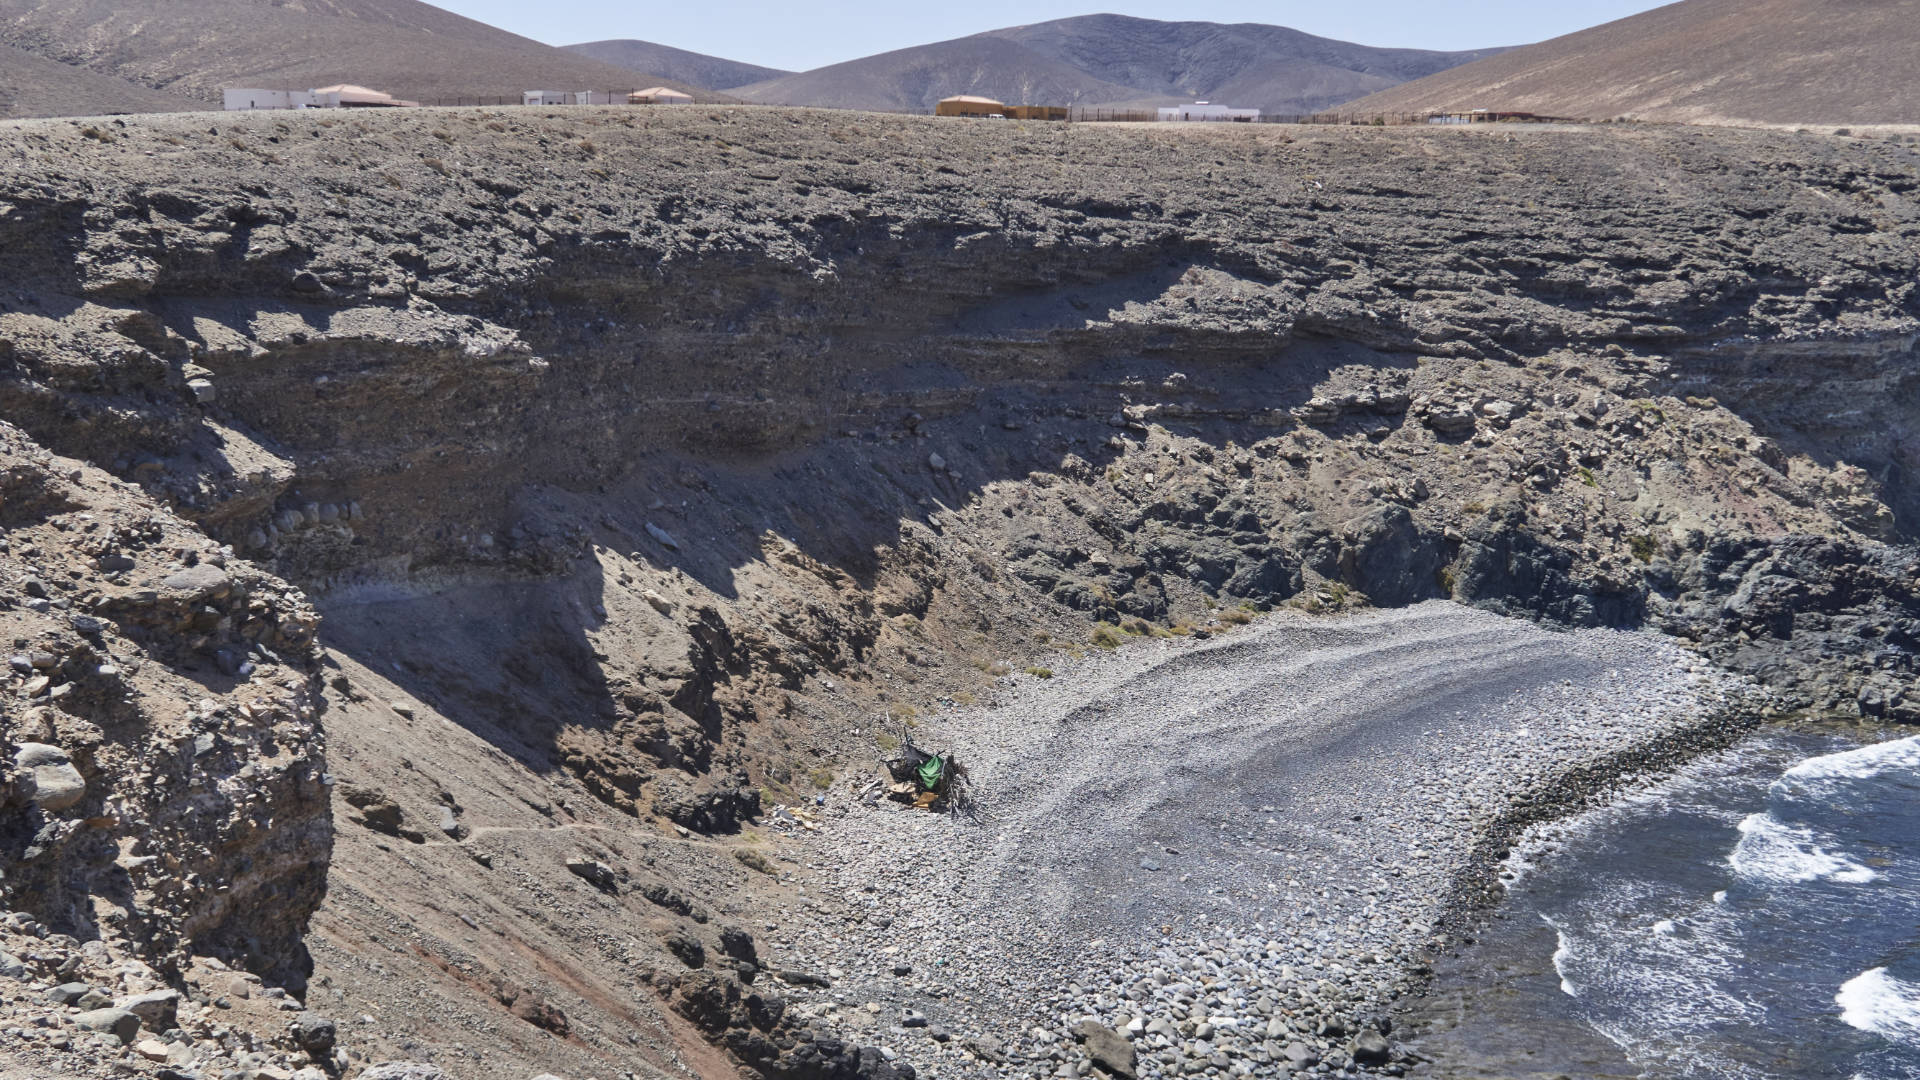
[(47, 776)]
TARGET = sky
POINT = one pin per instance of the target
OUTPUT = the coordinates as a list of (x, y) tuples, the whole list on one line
[(799, 36)]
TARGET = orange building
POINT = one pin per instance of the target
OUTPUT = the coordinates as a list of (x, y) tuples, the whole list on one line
[(968, 105)]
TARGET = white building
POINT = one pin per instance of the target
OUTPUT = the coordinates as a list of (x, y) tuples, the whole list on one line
[(239, 100), (1206, 110), (342, 96), (572, 97)]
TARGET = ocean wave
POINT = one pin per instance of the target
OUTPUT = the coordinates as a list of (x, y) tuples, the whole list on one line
[(1864, 763), (1877, 1002), (1773, 852), (1563, 951)]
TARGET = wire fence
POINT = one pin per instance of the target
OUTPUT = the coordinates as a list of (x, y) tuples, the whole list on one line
[(1045, 114)]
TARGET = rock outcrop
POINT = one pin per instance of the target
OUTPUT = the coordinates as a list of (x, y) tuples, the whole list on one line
[(631, 485)]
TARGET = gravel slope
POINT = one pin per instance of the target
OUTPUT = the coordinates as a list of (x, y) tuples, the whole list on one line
[(1281, 823)]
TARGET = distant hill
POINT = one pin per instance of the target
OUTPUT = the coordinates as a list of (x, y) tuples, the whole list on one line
[(1115, 59), (194, 48), (1738, 61), (32, 85), (667, 62)]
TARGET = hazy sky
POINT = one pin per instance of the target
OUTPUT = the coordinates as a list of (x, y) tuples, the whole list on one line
[(787, 34)]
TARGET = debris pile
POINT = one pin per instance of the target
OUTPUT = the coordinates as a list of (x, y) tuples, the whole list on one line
[(928, 781)]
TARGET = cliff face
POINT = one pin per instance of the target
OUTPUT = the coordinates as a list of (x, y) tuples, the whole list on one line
[(640, 455), (165, 793)]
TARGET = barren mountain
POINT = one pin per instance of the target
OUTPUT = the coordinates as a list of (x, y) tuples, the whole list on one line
[(1706, 61), (1114, 59), (460, 610), (194, 48), (692, 68), (32, 85)]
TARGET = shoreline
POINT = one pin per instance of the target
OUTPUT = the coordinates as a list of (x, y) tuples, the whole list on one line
[(1299, 932), (1504, 1004)]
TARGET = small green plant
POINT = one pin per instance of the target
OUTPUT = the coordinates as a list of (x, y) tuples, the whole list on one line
[(1474, 507), (822, 778), (886, 742), (1040, 672), (96, 134), (1643, 547), (1587, 477), (1236, 616), (1444, 577), (1107, 636)]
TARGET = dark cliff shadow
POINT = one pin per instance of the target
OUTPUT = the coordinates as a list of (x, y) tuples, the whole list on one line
[(672, 432)]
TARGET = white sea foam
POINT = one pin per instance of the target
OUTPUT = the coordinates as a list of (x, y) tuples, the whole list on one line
[(1563, 951), (1665, 928), (1876, 1001), (1774, 852), (1864, 763)]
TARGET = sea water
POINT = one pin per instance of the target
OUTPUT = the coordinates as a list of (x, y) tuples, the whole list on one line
[(1757, 916)]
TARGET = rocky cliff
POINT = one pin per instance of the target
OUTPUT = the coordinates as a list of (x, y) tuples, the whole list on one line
[(637, 463)]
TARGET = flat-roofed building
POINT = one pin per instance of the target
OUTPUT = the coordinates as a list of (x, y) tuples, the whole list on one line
[(1207, 110), (659, 95), (340, 96), (969, 105)]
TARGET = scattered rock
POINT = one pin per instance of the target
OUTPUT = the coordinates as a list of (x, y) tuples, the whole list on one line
[(119, 1023), (1371, 1048), (402, 1070), (685, 947), (68, 993), (48, 778), (156, 1009), (314, 1034), (737, 943), (597, 874), (1109, 1050)]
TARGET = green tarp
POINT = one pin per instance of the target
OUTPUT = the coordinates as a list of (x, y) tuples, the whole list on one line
[(931, 771)]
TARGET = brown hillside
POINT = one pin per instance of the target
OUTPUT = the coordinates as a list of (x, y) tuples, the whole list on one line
[(32, 85), (1114, 60), (912, 80), (696, 69), (194, 48), (1707, 61)]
